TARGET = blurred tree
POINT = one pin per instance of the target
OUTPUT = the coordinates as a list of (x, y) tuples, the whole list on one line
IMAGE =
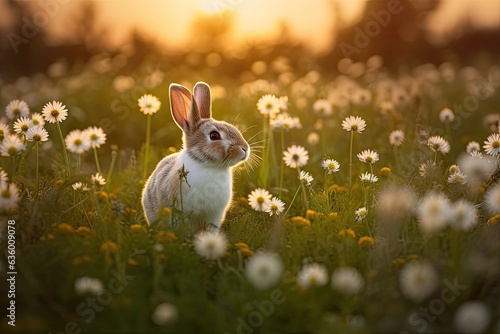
[(390, 28)]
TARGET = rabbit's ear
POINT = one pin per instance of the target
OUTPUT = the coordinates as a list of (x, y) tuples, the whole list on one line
[(183, 107), (203, 100)]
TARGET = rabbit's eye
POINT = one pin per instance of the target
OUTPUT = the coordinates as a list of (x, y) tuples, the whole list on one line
[(214, 135)]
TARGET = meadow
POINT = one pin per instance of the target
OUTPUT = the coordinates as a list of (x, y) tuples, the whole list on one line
[(370, 204)]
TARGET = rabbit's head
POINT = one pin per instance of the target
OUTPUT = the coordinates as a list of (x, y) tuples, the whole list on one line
[(213, 143)]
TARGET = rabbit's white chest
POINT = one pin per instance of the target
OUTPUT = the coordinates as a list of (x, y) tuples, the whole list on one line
[(205, 191)]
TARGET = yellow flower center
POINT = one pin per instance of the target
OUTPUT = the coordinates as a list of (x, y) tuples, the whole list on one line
[(260, 200), (94, 137), (37, 137), (77, 142), (495, 144), (54, 112), (16, 111)]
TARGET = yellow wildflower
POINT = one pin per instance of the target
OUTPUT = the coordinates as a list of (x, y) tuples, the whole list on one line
[(83, 230), (164, 211), (65, 228), (101, 195), (346, 233), (385, 171), (109, 247), (337, 188), (132, 262), (493, 220), (244, 249), (137, 228), (300, 221), (165, 236), (365, 242)]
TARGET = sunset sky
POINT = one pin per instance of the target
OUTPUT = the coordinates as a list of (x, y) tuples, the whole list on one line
[(169, 21)]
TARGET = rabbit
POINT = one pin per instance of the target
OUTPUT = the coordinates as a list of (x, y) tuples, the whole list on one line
[(210, 151)]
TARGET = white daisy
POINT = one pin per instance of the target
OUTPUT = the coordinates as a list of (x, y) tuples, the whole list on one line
[(259, 199), (88, 285), (22, 125), (361, 214), (472, 317), (11, 145), (210, 245), (98, 180), (354, 123), (54, 112), (77, 141), (464, 215), (457, 177), (473, 146), (453, 169), (438, 144), (295, 156), (492, 144), (165, 314), (284, 121), (9, 196), (418, 280), (312, 275), (396, 138), (323, 107), (269, 105), (347, 280), (37, 119), (96, 136), (368, 156), (4, 131), (313, 138), (434, 212), (368, 178), (428, 169), (332, 166), (492, 199), (149, 104), (306, 178), (274, 207), (37, 134), (476, 168), (79, 186), (283, 103), (396, 202), (446, 115), (263, 270), (17, 108)]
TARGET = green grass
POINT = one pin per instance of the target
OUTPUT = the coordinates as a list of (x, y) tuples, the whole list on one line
[(63, 234)]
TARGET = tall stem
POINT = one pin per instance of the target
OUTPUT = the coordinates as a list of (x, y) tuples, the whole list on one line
[(112, 165), (350, 161), (281, 161), (37, 167), (293, 200), (96, 157), (65, 154), (146, 153)]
